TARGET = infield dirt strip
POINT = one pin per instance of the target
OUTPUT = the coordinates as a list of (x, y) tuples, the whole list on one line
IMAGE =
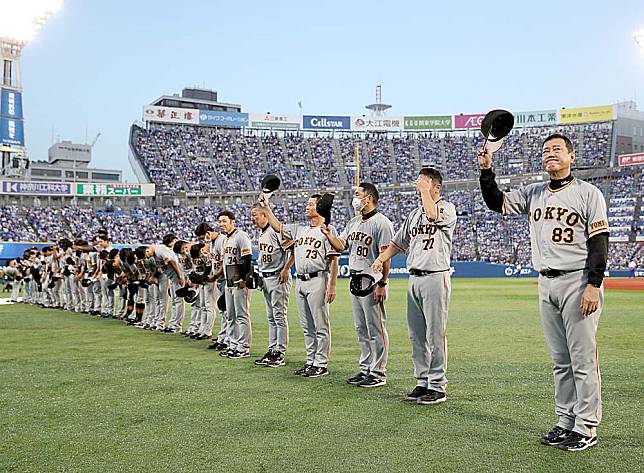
[(628, 284)]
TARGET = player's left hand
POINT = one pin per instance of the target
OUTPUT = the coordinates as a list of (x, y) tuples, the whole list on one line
[(284, 276), (182, 281), (241, 284), (325, 229), (330, 294), (380, 294), (589, 300), (423, 184)]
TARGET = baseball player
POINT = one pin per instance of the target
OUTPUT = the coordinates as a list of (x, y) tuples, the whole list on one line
[(274, 263), (171, 279), (316, 265), (569, 239), (213, 287), (366, 236), (237, 263), (426, 237), (12, 274)]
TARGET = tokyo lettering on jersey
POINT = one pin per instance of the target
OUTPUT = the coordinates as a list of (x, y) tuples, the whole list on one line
[(312, 248), (366, 239), (428, 244), (561, 221)]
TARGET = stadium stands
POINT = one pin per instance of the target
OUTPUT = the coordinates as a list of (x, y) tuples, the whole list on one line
[(202, 160)]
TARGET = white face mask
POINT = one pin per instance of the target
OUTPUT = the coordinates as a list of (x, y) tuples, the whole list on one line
[(357, 204)]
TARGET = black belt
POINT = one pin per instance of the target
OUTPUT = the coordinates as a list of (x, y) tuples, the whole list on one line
[(420, 272), (309, 276), (555, 273), (270, 275)]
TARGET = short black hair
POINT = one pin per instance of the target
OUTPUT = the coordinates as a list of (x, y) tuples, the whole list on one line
[(563, 137), (140, 252), (226, 213), (177, 246), (168, 239), (316, 196), (371, 190), (202, 229), (433, 174), (195, 250), (103, 237)]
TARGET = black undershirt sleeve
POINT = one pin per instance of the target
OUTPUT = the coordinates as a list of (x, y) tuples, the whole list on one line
[(597, 257), (247, 266), (492, 196)]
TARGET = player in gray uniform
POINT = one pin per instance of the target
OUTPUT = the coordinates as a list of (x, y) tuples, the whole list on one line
[(210, 289), (569, 239), (237, 263), (274, 265), (426, 237), (170, 280), (366, 236), (13, 276), (316, 265)]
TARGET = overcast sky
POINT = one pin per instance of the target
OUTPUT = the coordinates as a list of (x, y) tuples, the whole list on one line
[(96, 63)]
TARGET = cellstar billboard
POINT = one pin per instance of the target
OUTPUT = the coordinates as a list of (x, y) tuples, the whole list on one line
[(538, 118), (12, 132), (280, 122), (188, 116), (11, 104), (376, 123), (321, 122), (468, 121), (228, 119), (428, 122), (600, 113)]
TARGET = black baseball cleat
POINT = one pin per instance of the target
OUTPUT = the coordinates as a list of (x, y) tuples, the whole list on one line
[(432, 397), (264, 359), (194, 335), (221, 347), (372, 381), (555, 436), (215, 345), (576, 442), (201, 337), (416, 394), (357, 378), (225, 353), (302, 370), (276, 360), (316, 372), (235, 354)]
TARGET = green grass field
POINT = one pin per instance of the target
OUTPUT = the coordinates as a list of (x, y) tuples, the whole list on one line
[(79, 393)]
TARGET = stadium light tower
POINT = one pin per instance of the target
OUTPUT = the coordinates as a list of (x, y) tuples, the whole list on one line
[(20, 20), (639, 39)]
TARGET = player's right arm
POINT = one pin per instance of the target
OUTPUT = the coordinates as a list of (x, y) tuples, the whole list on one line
[(513, 202), (273, 221)]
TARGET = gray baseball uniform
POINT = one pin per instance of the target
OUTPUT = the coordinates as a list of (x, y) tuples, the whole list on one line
[(236, 246), (312, 253), (561, 222), (272, 258), (225, 327), (428, 246), (366, 239)]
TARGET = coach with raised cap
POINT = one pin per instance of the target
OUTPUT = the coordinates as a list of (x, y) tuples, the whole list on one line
[(316, 265), (569, 239)]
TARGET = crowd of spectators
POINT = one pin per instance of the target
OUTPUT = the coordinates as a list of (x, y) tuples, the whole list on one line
[(203, 159)]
